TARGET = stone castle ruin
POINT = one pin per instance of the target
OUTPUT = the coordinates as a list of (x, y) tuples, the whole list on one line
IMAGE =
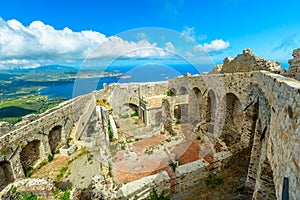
[(176, 134)]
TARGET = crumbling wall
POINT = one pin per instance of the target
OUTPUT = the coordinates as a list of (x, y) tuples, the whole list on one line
[(246, 62), (130, 93), (13, 144), (294, 68)]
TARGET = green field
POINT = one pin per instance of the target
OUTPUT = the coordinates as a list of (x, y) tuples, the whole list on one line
[(12, 110)]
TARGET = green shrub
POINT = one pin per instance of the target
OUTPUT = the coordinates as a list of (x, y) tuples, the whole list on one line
[(42, 164), (110, 133), (135, 114), (154, 196), (65, 195), (50, 158), (69, 140), (124, 116), (27, 171), (62, 171), (109, 169), (170, 92), (13, 190), (198, 138), (212, 181), (123, 147), (27, 196)]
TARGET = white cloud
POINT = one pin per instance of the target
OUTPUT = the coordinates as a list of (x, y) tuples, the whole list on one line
[(188, 34), (25, 46), (214, 46), (169, 47)]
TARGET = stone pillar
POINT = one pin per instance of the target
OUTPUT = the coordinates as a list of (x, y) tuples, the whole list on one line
[(17, 166)]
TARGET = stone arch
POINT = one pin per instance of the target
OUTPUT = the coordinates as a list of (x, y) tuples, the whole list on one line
[(173, 92), (30, 154), (231, 133), (196, 104), (6, 174), (211, 106), (130, 108), (181, 110), (183, 91), (54, 137)]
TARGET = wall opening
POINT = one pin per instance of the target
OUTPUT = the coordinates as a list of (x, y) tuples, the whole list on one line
[(196, 104), (233, 120), (6, 174), (181, 111), (130, 108), (183, 91), (30, 154), (173, 92), (210, 111), (55, 137)]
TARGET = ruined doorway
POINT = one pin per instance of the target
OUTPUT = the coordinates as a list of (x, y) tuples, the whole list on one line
[(130, 109), (231, 133), (54, 137), (30, 154), (6, 174), (210, 111)]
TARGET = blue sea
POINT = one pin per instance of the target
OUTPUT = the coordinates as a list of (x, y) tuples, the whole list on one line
[(148, 73)]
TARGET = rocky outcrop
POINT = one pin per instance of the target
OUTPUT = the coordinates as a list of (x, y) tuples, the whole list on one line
[(246, 62)]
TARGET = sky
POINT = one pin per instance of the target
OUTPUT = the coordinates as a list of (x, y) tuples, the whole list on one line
[(41, 32)]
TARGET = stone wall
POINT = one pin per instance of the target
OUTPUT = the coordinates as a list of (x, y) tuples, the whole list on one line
[(42, 188), (139, 189), (263, 108), (120, 94), (31, 141)]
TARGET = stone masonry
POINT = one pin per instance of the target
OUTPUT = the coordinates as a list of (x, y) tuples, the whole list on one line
[(239, 108)]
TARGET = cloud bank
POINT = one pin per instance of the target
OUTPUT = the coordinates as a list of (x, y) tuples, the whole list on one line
[(41, 44)]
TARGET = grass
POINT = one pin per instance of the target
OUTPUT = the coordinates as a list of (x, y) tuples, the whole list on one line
[(27, 196), (110, 133), (63, 194), (42, 164), (109, 169), (155, 196), (135, 114), (12, 111), (124, 116), (27, 171), (62, 171)]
